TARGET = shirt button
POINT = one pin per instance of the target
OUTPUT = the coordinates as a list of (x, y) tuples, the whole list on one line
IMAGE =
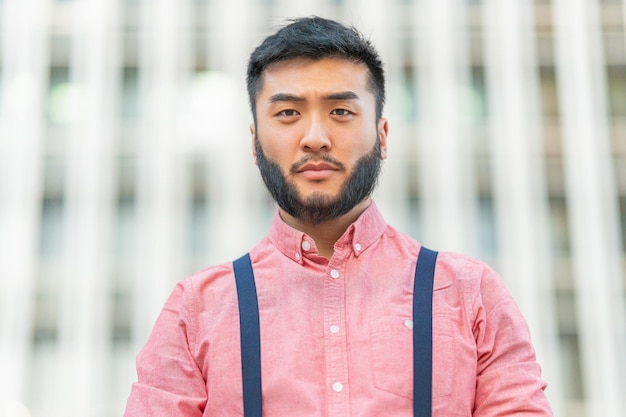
[(306, 245), (297, 256), (334, 274), (334, 329), (408, 323), (357, 247), (337, 387)]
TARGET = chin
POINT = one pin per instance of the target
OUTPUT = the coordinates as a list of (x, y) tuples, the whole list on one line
[(317, 198)]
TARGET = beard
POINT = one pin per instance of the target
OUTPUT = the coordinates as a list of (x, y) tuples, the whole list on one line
[(319, 207)]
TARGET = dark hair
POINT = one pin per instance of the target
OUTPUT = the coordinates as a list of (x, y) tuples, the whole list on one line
[(316, 38)]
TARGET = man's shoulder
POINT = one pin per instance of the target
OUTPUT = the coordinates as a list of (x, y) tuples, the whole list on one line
[(472, 274), (219, 274), (461, 263), (454, 267)]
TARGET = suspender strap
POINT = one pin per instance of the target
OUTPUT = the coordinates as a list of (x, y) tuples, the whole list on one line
[(250, 337), (423, 332)]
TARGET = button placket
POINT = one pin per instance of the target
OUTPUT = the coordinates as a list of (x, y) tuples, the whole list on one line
[(335, 339)]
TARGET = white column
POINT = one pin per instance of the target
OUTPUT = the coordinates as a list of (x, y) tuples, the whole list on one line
[(592, 205), (518, 175), (24, 61), (444, 149), (84, 331), (161, 193), (234, 198)]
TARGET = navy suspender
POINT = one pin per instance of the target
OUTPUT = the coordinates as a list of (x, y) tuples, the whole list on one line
[(250, 337), (422, 334)]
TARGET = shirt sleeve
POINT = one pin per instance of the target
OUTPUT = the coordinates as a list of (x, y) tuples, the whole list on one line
[(508, 380), (169, 381)]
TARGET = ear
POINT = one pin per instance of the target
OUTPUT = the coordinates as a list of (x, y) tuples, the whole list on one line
[(383, 130), (253, 137)]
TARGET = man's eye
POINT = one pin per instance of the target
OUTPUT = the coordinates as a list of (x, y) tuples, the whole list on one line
[(288, 113), (341, 112)]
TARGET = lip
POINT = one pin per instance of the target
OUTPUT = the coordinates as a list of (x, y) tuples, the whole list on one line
[(318, 171)]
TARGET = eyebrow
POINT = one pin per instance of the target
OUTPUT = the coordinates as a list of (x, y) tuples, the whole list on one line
[(342, 95), (284, 97)]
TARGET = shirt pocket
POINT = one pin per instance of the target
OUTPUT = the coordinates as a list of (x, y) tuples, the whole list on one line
[(392, 356)]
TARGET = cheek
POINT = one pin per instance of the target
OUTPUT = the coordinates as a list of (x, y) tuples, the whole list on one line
[(276, 152), (279, 139), (361, 144)]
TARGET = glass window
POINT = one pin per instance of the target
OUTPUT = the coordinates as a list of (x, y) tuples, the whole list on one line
[(121, 315), (486, 222), (409, 97), (570, 364), (408, 85), (43, 377), (545, 43), (45, 317), (129, 105), (616, 79), (614, 47), (126, 216), (60, 50), (1, 84), (51, 232), (549, 94), (198, 224), (63, 101), (414, 220), (477, 100), (125, 230), (622, 211), (487, 236), (198, 242), (559, 226), (620, 180), (52, 220)]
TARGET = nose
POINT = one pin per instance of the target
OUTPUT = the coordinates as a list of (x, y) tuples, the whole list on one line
[(316, 138)]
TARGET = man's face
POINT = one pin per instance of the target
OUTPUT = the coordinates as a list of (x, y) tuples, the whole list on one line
[(316, 141)]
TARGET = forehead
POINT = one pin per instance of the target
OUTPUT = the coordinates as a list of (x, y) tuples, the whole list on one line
[(306, 75)]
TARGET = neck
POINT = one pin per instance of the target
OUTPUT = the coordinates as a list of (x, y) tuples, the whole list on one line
[(327, 233)]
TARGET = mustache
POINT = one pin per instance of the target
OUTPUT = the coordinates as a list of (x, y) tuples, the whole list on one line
[(323, 157)]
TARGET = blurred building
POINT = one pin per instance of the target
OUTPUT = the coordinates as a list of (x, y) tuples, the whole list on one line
[(125, 165)]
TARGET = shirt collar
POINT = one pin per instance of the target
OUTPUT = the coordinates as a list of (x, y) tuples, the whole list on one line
[(360, 235)]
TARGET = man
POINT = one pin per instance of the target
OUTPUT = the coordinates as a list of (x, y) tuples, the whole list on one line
[(334, 283)]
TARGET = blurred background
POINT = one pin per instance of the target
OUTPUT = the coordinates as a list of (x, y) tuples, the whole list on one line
[(125, 165)]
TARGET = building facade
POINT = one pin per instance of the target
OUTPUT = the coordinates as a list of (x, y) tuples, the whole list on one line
[(125, 165)]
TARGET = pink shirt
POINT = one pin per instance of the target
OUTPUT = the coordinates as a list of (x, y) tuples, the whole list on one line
[(336, 336)]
